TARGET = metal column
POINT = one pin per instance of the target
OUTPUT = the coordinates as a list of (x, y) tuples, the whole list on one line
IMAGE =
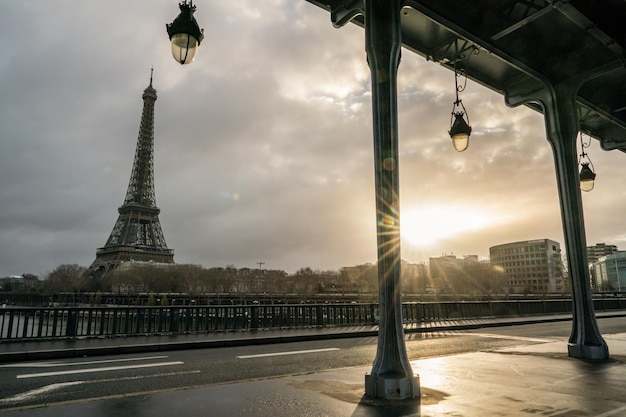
[(391, 376), (561, 120), (562, 126)]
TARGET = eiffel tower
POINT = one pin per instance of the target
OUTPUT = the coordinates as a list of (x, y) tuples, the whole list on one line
[(137, 234)]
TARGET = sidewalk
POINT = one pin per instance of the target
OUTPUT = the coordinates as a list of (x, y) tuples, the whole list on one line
[(13, 351), (531, 380)]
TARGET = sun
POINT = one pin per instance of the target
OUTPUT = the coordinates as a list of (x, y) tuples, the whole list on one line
[(425, 226)]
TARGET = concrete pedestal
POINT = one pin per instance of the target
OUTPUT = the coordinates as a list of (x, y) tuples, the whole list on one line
[(392, 387)]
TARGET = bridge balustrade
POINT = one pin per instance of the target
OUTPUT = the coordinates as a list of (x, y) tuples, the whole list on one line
[(19, 323)]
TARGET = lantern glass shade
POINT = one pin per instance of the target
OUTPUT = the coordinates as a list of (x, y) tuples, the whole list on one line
[(587, 177), (460, 141), (184, 47), (586, 185)]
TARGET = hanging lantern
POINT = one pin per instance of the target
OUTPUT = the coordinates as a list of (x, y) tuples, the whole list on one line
[(587, 175), (185, 34), (460, 129), (460, 132)]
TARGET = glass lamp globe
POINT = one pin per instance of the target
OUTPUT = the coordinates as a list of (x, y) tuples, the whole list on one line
[(460, 141), (184, 48)]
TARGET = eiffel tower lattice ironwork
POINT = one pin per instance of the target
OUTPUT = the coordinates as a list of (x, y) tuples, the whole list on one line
[(137, 234)]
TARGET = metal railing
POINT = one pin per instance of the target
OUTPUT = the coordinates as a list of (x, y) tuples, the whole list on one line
[(29, 323)]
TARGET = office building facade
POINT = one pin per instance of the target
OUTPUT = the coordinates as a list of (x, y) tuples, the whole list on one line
[(593, 254), (599, 250), (531, 266), (610, 272)]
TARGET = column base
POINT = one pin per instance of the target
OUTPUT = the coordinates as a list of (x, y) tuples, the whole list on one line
[(588, 352), (392, 387)]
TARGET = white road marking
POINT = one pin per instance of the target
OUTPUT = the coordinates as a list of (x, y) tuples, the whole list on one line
[(104, 369), (500, 336), (53, 364), (612, 412), (131, 378), (28, 395), (25, 396), (291, 352)]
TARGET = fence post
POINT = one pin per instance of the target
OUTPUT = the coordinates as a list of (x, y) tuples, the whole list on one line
[(10, 327), (40, 326), (174, 320), (254, 320), (319, 315), (89, 322), (25, 328), (373, 318), (72, 322), (103, 322), (161, 319), (114, 325)]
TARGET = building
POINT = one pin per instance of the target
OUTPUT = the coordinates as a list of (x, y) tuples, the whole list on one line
[(137, 235), (444, 265), (26, 282), (610, 272), (450, 274), (414, 278), (531, 266), (593, 254), (598, 251)]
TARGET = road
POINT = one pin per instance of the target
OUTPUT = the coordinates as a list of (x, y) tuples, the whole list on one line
[(45, 382)]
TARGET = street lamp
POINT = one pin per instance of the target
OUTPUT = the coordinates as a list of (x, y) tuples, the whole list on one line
[(460, 129), (587, 175), (185, 34)]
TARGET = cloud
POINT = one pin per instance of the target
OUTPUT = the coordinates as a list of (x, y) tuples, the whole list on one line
[(263, 146)]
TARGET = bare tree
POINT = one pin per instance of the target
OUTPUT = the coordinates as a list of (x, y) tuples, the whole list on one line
[(65, 278)]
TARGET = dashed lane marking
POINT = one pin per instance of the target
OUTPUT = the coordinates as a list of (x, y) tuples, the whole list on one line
[(103, 369), (78, 363), (291, 352), (501, 336)]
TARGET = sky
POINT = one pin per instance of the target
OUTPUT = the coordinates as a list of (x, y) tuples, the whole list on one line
[(263, 145)]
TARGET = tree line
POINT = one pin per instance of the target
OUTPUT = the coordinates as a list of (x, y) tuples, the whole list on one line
[(136, 277)]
